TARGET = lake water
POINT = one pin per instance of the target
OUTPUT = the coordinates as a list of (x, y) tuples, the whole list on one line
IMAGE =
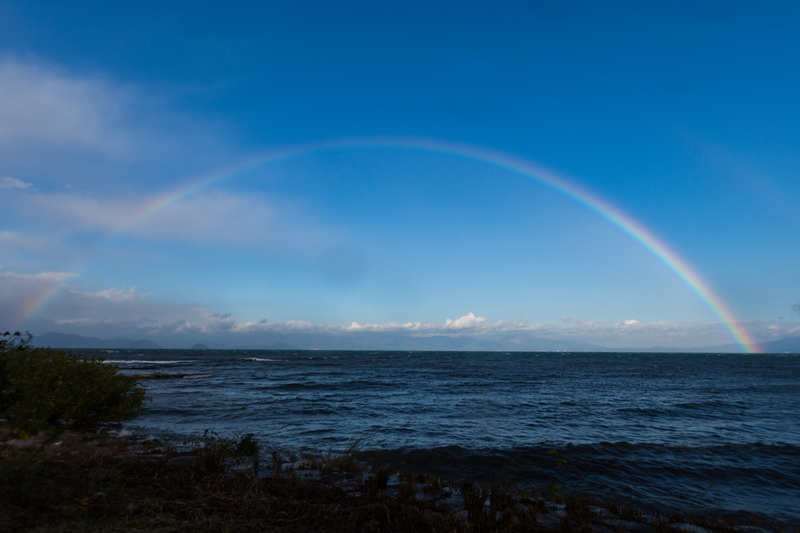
[(689, 432)]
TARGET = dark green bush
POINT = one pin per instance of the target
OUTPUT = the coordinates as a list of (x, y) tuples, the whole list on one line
[(49, 385)]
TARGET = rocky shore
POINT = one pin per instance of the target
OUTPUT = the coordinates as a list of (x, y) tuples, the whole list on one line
[(87, 480)]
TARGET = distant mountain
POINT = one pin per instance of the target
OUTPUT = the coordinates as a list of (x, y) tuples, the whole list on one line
[(68, 340), (785, 345), (524, 342)]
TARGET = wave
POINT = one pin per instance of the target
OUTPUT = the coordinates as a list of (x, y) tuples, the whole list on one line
[(753, 477)]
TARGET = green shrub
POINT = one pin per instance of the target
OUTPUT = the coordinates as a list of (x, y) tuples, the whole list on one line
[(10, 343), (49, 385)]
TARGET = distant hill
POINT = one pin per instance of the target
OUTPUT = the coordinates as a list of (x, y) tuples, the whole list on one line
[(785, 345), (68, 340), (522, 342), (389, 341)]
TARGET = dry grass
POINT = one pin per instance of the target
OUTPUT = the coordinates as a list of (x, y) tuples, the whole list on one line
[(96, 482)]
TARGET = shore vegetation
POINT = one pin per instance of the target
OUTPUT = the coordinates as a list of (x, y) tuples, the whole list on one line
[(90, 481), (60, 387), (64, 467)]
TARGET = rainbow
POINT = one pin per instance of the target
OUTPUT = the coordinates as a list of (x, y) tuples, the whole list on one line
[(635, 230), (36, 304)]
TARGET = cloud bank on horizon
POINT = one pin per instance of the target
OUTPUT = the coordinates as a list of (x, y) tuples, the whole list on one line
[(693, 141), (128, 313)]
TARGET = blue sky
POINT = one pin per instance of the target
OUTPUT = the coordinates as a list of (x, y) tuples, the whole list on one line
[(685, 116)]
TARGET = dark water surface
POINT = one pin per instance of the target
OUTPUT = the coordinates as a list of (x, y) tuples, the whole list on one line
[(689, 432)]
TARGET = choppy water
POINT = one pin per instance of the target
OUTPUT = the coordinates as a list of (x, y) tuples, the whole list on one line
[(690, 432)]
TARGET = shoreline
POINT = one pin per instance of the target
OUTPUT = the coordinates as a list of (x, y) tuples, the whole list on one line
[(530, 465), (346, 488)]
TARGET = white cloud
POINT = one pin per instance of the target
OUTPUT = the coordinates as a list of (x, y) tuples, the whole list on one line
[(628, 333), (467, 321), (90, 130), (125, 312), (120, 295), (8, 182), (41, 105)]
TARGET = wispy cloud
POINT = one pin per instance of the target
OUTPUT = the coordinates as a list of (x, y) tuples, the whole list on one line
[(90, 129), (22, 292), (47, 278), (18, 240), (8, 182), (73, 304), (214, 217), (121, 311), (42, 105)]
